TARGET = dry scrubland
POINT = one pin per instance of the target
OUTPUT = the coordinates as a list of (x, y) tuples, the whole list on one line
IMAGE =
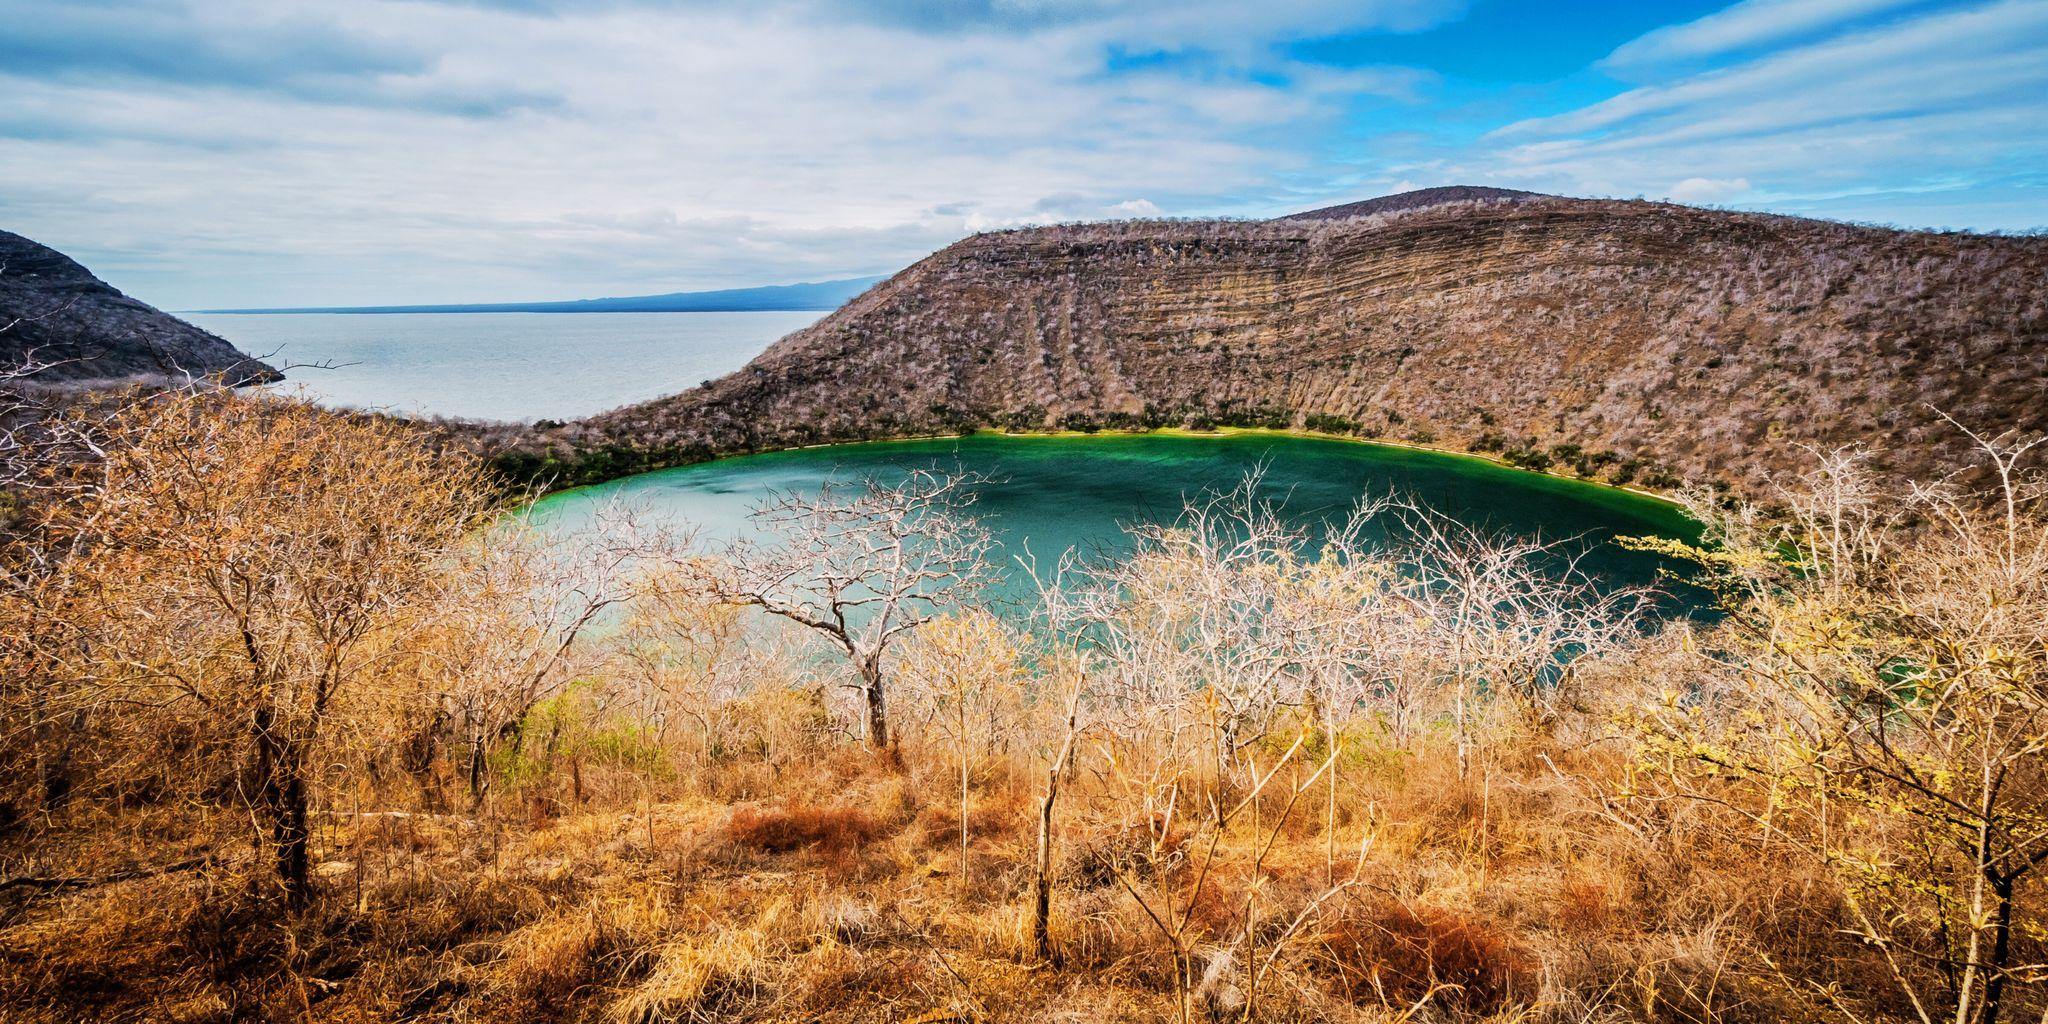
[(289, 738)]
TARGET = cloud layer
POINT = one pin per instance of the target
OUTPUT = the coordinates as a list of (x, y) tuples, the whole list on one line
[(224, 152), (1862, 123)]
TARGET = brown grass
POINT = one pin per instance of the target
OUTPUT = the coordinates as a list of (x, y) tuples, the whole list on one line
[(838, 911), (939, 825), (1407, 956), (793, 828)]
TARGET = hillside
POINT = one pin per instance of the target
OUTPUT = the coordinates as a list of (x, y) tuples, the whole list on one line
[(80, 328), (1638, 340), (55, 312), (807, 296)]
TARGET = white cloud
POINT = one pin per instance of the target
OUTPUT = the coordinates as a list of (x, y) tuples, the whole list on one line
[(1745, 25), (1913, 107), (1135, 208), (1707, 190), (477, 152), (278, 152), (1961, 55)]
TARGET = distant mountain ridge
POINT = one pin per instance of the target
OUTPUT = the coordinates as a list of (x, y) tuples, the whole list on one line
[(1627, 340), (56, 315), (818, 295)]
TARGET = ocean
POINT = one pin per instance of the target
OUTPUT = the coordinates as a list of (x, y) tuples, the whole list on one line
[(501, 366)]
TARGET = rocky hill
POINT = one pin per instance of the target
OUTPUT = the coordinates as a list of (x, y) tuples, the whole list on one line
[(1621, 339), (77, 327)]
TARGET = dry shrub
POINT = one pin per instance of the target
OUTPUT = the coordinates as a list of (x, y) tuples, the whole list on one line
[(548, 961), (160, 941), (1583, 907), (939, 826), (433, 910), (1095, 860), (1396, 954), (801, 827), (1105, 931), (894, 800), (695, 978), (409, 833)]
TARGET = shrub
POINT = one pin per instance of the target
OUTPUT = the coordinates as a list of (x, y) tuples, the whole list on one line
[(1399, 954), (1527, 458), (1096, 861), (1030, 417), (797, 827), (939, 826), (1327, 424), (1663, 478)]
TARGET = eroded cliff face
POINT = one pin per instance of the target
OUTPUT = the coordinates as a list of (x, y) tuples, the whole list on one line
[(1644, 338)]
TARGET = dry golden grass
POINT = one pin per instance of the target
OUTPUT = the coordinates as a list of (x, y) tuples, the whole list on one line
[(1502, 898)]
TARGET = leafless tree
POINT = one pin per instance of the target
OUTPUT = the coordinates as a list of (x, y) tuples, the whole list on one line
[(1513, 616), (504, 623), (24, 411), (862, 564)]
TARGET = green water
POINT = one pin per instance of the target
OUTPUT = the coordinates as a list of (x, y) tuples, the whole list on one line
[(1054, 493)]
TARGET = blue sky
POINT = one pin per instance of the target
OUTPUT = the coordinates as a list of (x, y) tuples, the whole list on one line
[(281, 152)]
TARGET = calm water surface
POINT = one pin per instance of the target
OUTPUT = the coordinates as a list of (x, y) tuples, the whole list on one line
[(1052, 494), (502, 366)]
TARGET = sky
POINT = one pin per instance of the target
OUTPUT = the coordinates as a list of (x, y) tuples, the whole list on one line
[(210, 153)]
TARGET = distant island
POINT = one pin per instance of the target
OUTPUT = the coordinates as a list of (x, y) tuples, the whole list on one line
[(820, 295)]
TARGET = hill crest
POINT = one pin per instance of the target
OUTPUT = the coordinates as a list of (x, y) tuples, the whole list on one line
[(80, 328), (1417, 199), (1627, 338)]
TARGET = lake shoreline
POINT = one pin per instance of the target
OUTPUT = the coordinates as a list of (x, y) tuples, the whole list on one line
[(1221, 431), (1054, 492)]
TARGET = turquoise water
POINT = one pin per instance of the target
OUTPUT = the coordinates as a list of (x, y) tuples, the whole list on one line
[(1051, 494)]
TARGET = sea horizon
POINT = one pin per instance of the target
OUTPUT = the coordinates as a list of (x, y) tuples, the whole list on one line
[(505, 366)]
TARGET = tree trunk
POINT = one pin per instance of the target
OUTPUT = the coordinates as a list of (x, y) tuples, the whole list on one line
[(478, 778), (878, 707), (1041, 897), (2001, 949), (55, 770), (423, 747), (289, 834), (282, 796)]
